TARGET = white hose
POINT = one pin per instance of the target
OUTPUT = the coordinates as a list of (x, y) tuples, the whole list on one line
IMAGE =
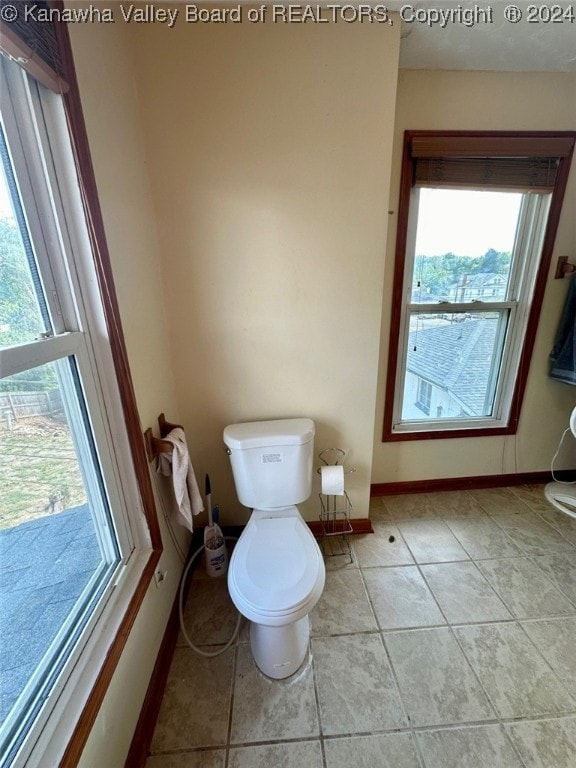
[(563, 482), (181, 610)]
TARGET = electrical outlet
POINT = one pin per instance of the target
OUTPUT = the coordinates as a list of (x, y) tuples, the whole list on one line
[(159, 577)]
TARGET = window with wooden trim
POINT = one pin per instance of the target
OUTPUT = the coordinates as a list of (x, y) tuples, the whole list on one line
[(79, 539), (477, 219)]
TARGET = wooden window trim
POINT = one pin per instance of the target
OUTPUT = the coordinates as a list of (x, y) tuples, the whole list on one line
[(26, 57), (489, 144), (535, 141)]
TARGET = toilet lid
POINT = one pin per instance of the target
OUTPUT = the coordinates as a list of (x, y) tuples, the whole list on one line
[(275, 564)]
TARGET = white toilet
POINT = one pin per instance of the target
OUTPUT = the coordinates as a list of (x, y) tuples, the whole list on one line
[(276, 573)]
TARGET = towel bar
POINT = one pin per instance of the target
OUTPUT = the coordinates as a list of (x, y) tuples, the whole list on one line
[(155, 445), (563, 267)]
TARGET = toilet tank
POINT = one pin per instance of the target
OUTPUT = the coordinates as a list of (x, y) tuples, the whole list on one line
[(271, 461)]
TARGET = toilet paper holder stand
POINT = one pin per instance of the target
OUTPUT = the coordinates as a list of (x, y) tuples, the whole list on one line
[(335, 511)]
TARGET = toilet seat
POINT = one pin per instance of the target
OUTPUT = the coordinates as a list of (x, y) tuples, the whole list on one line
[(276, 573)]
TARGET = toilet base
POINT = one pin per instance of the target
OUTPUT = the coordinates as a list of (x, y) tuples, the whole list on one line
[(280, 651), (562, 496)]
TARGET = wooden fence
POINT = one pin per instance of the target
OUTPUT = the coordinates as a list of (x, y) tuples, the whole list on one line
[(15, 406)]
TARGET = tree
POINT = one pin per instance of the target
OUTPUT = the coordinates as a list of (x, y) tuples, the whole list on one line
[(495, 262), (18, 303), (436, 276), (20, 317)]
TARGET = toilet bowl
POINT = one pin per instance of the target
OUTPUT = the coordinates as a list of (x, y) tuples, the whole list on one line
[(276, 573), (276, 577)]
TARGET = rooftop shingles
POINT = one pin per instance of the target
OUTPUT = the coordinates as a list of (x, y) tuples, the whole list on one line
[(457, 358)]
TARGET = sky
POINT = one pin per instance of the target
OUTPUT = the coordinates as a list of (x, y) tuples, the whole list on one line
[(466, 223)]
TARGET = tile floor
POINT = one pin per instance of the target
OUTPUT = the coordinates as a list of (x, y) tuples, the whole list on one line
[(450, 645)]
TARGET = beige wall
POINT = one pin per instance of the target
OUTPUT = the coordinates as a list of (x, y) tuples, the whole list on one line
[(269, 150), (487, 101), (243, 173), (114, 129)]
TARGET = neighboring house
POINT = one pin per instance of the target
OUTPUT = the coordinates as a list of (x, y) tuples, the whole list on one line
[(448, 370), (482, 286)]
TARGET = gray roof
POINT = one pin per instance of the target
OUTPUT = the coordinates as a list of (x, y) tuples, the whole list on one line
[(457, 358), (46, 565)]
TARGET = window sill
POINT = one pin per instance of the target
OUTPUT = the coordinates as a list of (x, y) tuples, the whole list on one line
[(448, 433)]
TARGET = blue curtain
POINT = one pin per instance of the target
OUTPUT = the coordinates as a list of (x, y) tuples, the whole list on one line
[(563, 355)]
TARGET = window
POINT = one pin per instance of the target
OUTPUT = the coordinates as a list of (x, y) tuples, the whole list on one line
[(477, 221), (424, 396), (75, 540)]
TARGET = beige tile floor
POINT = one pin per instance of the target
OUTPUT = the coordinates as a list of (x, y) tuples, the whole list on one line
[(451, 646)]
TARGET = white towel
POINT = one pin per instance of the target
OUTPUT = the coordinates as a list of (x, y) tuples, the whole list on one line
[(178, 464)]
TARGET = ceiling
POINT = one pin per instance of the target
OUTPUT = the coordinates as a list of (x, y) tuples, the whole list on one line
[(498, 44), (493, 45)]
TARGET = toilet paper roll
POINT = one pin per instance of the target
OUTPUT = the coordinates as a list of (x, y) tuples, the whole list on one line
[(332, 480)]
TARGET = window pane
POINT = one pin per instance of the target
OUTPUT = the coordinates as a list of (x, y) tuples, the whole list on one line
[(57, 543), (464, 242), (23, 314), (453, 361)]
